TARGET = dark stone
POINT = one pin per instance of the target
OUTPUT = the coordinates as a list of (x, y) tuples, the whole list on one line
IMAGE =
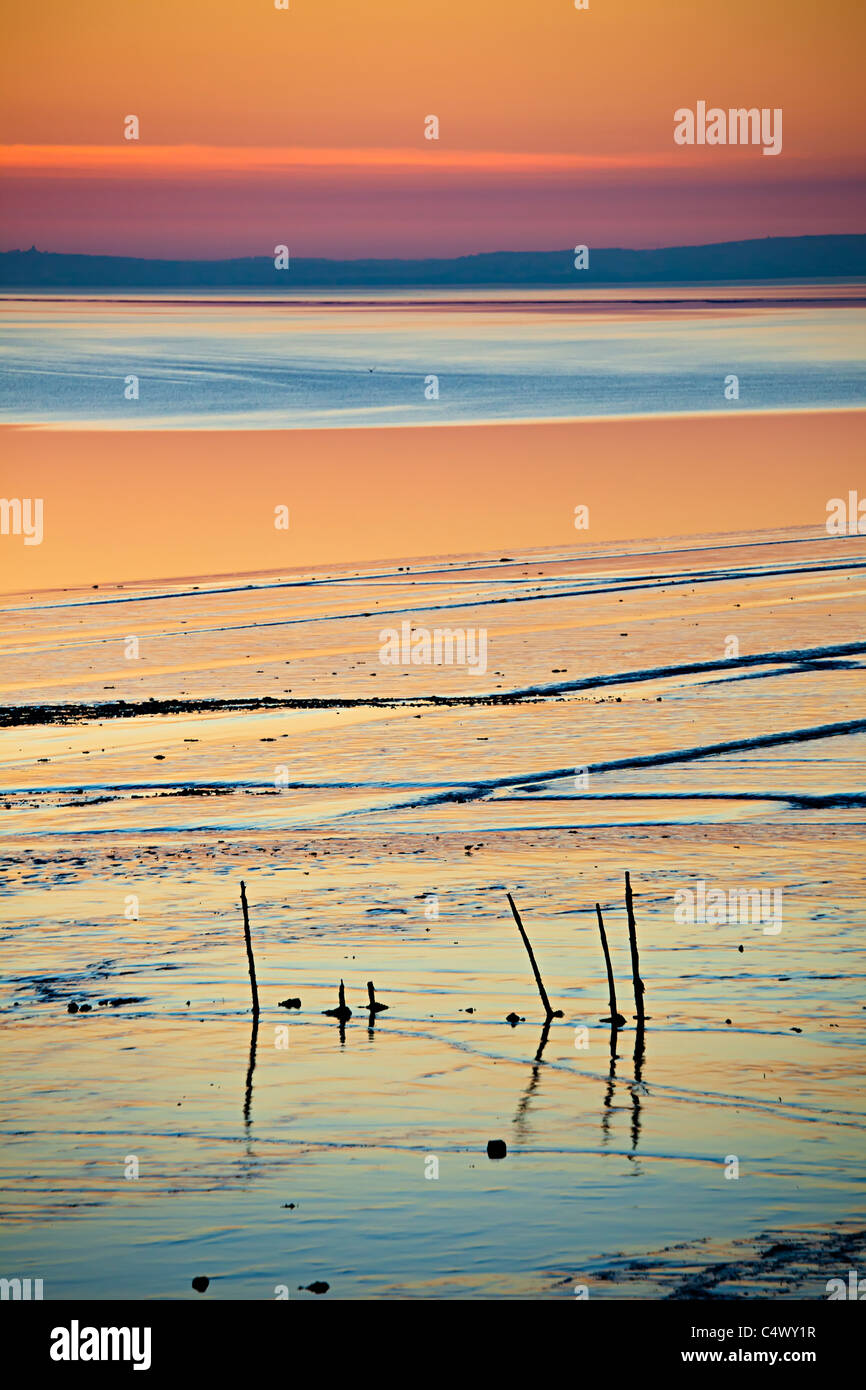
[(72, 1008), (290, 1004), (200, 1283), (318, 1287), (496, 1148)]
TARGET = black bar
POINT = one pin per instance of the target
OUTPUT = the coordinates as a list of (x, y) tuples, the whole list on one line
[(204, 1335)]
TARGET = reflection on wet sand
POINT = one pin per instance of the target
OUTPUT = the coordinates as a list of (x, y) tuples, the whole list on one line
[(520, 1119), (248, 1090), (345, 821)]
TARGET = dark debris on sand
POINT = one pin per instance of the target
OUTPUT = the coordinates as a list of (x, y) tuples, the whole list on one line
[(776, 1264)]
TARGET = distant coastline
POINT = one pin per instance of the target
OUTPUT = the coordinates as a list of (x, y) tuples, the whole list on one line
[(804, 258)]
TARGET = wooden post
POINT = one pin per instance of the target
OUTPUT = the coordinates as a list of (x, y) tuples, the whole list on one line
[(635, 963), (549, 1012), (248, 939), (616, 1019)]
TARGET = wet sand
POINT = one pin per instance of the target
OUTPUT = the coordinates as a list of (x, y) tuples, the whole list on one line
[(185, 505), (262, 740)]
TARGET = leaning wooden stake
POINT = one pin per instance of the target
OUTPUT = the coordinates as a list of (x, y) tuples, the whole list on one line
[(248, 939), (616, 1018), (635, 963), (551, 1013)]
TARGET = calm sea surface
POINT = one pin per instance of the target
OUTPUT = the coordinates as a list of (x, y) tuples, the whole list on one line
[(317, 360)]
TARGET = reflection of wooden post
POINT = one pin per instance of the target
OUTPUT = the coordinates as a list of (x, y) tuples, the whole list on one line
[(616, 1019), (551, 1013), (247, 938), (248, 1094), (635, 963)]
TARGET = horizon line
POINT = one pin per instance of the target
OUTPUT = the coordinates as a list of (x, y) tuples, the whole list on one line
[(461, 256), (180, 157)]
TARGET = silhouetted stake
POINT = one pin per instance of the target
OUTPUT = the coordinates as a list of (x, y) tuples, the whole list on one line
[(248, 939), (616, 1019), (342, 1012), (373, 1006), (635, 963), (550, 1013)]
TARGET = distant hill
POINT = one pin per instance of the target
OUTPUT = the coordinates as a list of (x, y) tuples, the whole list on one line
[(769, 258)]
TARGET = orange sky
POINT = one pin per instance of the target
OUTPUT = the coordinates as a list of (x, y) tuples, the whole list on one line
[(505, 77), (122, 505), (502, 74)]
